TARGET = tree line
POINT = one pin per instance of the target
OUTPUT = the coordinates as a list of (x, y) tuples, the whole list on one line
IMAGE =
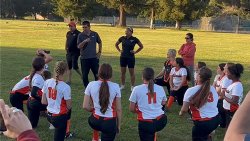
[(176, 11)]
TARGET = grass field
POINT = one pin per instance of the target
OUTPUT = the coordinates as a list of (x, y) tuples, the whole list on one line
[(20, 39)]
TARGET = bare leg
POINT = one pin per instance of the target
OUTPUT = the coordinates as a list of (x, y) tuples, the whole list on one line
[(69, 76), (132, 76), (123, 73), (78, 72)]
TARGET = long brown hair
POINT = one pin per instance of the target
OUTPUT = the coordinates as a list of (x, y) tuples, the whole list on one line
[(104, 73), (37, 65), (148, 75), (60, 68), (201, 96)]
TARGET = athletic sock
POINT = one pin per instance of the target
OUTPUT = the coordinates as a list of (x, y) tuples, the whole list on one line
[(170, 102)]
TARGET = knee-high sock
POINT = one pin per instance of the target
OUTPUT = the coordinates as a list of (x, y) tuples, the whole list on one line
[(170, 102), (95, 136)]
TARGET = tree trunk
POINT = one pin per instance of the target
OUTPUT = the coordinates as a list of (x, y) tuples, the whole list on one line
[(152, 19), (122, 19), (238, 24), (178, 24)]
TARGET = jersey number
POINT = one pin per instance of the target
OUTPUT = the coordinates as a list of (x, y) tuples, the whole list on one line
[(210, 98), (52, 93), (150, 98)]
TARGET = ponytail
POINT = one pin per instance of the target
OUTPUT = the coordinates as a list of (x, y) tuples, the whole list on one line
[(104, 96), (60, 68), (33, 72), (151, 87), (201, 96)]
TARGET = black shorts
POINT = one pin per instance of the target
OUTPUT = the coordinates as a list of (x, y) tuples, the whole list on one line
[(130, 62), (72, 60)]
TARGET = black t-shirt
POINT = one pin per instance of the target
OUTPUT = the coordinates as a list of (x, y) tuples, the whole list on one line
[(128, 44), (72, 41)]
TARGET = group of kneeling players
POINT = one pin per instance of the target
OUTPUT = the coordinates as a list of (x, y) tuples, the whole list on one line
[(209, 106)]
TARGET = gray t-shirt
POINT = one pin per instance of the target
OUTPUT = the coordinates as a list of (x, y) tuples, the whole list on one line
[(89, 49)]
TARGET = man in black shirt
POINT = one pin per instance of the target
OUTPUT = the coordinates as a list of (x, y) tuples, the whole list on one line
[(73, 52), (127, 57)]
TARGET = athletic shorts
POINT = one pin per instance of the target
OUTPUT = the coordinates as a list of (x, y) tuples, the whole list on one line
[(130, 62), (72, 60)]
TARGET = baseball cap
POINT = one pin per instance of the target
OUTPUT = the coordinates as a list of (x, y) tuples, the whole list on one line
[(72, 24)]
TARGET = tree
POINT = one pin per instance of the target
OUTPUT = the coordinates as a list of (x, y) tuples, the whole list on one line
[(180, 10), (124, 6)]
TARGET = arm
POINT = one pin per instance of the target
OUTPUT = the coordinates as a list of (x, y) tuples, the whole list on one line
[(233, 100), (171, 82), (140, 47), (190, 52), (160, 74), (180, 51), (100, 50), (119, 112), (86, 104), (117, 46), (47, 57), (239, 125), (183, 81), (69, 104), (44, 99), (184, 108), (132, 107), (34, 93)]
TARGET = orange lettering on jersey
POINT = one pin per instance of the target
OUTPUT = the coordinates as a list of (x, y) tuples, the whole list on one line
[(52, 93), (150, 98), (210, 97)]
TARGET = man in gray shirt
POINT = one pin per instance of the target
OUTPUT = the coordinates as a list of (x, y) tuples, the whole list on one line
[(89, 57)]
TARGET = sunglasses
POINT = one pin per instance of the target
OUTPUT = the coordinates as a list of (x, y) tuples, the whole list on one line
[(187, 38), (84, 27)]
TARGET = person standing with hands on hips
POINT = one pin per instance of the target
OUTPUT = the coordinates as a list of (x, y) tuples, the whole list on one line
[(187, 52), (72, 51), (127, 57), (86, 42)]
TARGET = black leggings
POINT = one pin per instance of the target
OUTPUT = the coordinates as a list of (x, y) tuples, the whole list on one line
[(202, 129), (222, 113), (17, 99), (86, 65), (34, 107), (229, 116), (179, 94), (148, 129), (107, 127), (60, 124)]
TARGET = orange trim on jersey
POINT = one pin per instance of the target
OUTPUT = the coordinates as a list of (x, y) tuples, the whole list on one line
[(151, 120), (233, 107), (139, 113), (196, 114), (104, 118), (23, 90), (113, 107), (63, 107), (40, 93)]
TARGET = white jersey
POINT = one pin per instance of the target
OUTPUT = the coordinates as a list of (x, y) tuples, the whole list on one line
[(148, 107), (177, 76), (235, 89), (208, 110), (38, 81), (92, 90), (22, 86), (56, 96)]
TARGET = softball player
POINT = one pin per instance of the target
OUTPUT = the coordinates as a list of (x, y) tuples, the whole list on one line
[(57, 95), (202, 101), (147, 100), (234, 93), (20, 93), (36, 82), (103, 99), (179, 76)]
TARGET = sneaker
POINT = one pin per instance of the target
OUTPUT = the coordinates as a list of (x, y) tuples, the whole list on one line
[(122, 87), (69, 135), (132, 87), (51, 127)]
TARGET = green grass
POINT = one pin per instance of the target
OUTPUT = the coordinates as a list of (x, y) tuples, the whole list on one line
[(20, 39)]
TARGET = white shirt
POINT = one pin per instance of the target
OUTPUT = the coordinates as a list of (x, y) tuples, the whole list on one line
[(235, 89), (92, 90), (148, 108), (38, 81), (209, 109), (56, 96), (22, 86), (177, 75), (46, 67)]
